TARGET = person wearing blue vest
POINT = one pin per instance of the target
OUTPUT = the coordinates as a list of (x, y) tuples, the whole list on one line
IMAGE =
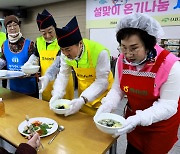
[(16, 50)]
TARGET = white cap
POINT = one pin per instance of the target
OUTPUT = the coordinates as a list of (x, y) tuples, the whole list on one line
[(141, 21)]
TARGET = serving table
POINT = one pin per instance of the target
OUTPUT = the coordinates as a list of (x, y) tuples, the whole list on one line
[(79, 137)]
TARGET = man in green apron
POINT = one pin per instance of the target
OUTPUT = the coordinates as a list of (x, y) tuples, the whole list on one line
[(91, 63), (47, 49)]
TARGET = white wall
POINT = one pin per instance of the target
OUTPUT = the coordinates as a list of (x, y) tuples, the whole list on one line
[(172, 32), (108, 37)]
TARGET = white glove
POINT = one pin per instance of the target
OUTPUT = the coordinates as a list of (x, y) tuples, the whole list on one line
[(33, 60), (129, 125), (75, 106), (104, 108), (44, 80), (27, 64), (53, 98)]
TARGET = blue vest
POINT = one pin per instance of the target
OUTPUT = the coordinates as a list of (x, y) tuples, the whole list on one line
[(14, 63)]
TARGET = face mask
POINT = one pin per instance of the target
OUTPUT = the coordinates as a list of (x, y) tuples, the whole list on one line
[(14, 38), (51, 40), (134, 63)]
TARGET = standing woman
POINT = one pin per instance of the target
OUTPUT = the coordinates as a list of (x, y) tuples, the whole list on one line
[(15, 52), (150, 77)]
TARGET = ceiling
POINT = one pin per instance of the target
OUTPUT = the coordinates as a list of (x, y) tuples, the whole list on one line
[(13, 4)]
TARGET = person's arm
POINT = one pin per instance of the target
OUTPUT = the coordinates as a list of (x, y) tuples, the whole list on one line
[(113, 97), (33, 59), (3, 151), (53, 70), (2, 63), (101, 82), (2, 58), (30, 146), (59, 87), (166, 106), (50, 74), (25, 148)]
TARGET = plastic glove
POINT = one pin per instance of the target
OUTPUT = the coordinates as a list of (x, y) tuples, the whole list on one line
[(75, 106), (33, 60), (104, 108), (44, 80), (27, 64), (129, 125), (53, 98)]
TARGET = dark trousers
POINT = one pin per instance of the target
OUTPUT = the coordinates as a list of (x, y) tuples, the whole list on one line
[(36, 94), (4, 83), (132, 150)]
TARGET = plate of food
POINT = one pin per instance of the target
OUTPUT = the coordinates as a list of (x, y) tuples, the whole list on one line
[(12, 74), (43, 126)]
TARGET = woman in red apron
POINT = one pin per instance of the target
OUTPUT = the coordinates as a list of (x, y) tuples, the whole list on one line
[(150, 77)]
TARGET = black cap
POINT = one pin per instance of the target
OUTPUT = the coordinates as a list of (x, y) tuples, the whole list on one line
[(69, 35), (45, 20)]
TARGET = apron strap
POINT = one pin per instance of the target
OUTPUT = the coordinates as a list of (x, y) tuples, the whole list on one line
[(159, 61)]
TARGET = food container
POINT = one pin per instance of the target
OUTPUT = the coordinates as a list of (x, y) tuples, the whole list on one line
[(3, 73), (107, 129), (30, 69), (60, 106)]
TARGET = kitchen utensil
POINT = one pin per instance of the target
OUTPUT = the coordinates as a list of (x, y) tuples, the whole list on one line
[(60, 128), (31, 128)]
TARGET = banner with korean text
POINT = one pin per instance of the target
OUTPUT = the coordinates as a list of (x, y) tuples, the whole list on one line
[(106, 13)]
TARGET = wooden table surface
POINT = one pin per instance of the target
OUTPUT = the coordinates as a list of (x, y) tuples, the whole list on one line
[(79, 137)]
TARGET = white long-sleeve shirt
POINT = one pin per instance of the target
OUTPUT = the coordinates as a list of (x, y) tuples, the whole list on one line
[(53, 70), (95, 89)]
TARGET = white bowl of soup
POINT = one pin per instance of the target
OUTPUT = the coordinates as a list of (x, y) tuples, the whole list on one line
[(109, 122), (60, 106)]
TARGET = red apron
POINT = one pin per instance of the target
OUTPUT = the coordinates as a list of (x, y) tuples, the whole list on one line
[(159, 137)]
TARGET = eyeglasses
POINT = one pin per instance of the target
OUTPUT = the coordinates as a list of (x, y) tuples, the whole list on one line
[(132, 50), (13, 25)]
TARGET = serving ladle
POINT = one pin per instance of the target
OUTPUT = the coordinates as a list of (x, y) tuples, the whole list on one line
[(60, 128)]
